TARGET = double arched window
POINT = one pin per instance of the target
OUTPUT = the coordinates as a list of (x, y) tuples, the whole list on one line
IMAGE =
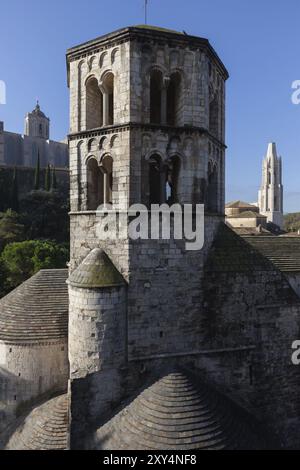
[(100, 101), (99, 182), (163, 180), (165, 98)]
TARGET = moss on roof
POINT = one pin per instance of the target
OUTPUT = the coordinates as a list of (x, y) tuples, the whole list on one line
[(96, 271)]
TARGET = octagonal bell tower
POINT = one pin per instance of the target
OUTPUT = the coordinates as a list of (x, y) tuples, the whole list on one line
[(147, 125)]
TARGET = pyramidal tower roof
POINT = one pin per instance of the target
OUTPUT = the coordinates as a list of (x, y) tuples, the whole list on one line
[(272, 151), (96, 271)]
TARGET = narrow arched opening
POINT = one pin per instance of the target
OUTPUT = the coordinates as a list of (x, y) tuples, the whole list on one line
[(172, 180), (94, 104), (156, 83), (95, 185), (157, 180), (107, 87), (174, 100), (107, 169)]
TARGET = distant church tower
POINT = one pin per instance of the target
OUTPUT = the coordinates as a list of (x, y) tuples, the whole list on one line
[(37, 124), (270, 196)]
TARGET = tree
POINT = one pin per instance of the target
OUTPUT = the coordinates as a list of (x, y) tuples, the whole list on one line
[(37, 173), (11, 228), (15, 192), (3, 279), (46, 216), (23, 259), (48, 178)]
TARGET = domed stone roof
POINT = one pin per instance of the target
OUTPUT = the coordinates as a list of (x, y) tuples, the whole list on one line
[(175, 413), (45, 428), (96, 271), (37, 310), (180, 414)]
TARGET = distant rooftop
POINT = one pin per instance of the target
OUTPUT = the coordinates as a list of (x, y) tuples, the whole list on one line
[(238, 205)]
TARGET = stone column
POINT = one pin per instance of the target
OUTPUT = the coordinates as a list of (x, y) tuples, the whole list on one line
[(105, 187)]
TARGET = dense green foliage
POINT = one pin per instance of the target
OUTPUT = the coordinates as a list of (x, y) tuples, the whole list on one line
[(292, 222), (11, 228), (36, 237), (45, 215), (21, 260)]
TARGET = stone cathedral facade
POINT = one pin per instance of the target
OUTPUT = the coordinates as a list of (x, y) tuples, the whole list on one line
[(168, 348)]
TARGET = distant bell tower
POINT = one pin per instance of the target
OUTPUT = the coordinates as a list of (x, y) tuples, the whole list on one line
[(270, 196), (37, 124)]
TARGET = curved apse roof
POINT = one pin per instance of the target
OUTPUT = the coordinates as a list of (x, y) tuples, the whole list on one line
[(175, 413), (179, 413), (37, 310), (45, 428)]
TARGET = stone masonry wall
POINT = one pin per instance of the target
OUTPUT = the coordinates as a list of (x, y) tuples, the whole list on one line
[(97, 352), (30, 371)]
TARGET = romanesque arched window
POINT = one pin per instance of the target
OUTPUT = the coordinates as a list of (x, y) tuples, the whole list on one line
[(174, 100), (94, 104), (156, 85), (107, 169), (172, 179), (157, 180), (107, 87), (212, 188), (95, 185)]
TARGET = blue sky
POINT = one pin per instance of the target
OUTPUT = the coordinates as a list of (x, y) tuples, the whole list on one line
[(258, 40)]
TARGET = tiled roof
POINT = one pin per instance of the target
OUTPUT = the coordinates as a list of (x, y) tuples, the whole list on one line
[(283, 252), (247, 215), (252, 231), (179, 413), (45, 428), (37, 310), (239, 205), (232, 253)]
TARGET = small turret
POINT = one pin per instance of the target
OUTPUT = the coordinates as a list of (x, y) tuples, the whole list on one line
[(97, 340)]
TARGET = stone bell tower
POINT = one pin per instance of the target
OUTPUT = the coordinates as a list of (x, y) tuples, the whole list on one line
[(270, 197), (37, 124), (147, 126)]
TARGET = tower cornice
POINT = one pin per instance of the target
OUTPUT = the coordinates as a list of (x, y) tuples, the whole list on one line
[(146, 34), (117, 128)]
